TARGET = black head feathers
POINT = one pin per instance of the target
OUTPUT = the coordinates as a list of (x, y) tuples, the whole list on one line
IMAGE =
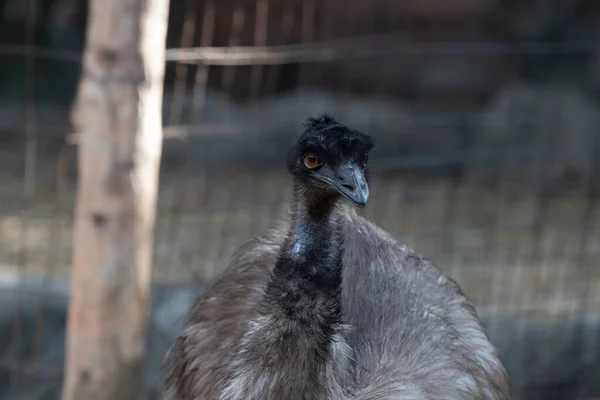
[(325, 121), (333, 142)]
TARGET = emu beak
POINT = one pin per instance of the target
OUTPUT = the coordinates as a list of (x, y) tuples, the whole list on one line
[(351, 183)]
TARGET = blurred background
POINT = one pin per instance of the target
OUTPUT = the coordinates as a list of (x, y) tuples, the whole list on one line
[(486, 117)]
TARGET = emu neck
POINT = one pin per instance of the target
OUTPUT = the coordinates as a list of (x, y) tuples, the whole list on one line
[(313, 249), (289, 349)]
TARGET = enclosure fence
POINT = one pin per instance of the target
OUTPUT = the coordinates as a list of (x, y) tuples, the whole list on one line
[(491, 174)]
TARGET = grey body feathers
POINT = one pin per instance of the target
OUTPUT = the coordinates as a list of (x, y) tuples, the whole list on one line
[(408, 332)]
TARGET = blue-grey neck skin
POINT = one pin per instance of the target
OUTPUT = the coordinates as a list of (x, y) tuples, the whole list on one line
[(313, 248)]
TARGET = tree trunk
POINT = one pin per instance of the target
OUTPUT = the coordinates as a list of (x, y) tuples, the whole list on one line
[(118, 119)]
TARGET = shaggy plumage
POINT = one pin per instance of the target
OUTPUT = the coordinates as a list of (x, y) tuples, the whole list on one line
[(329, 306)]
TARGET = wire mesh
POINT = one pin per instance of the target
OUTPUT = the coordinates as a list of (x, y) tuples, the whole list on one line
[(487, 164)]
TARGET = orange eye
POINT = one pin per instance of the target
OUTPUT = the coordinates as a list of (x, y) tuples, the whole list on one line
[(311, 161)]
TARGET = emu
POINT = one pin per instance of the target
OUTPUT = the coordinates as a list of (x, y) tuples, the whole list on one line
[(329, 306)]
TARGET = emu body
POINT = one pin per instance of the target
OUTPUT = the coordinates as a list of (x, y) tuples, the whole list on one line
[(328, 306)]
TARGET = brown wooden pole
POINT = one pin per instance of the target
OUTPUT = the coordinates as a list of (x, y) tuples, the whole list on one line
[(118, 119)]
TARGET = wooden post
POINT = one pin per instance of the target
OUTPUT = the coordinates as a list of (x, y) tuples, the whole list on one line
[(118, 119)]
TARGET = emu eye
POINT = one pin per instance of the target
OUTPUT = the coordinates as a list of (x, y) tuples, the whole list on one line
[(311, 161)]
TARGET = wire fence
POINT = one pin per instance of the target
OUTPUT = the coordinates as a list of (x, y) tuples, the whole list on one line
[(486, 163)]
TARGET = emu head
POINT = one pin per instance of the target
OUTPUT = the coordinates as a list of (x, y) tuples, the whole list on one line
[(330, 160)]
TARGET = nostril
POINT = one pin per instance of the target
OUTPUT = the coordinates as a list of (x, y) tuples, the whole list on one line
[(348, 187)]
